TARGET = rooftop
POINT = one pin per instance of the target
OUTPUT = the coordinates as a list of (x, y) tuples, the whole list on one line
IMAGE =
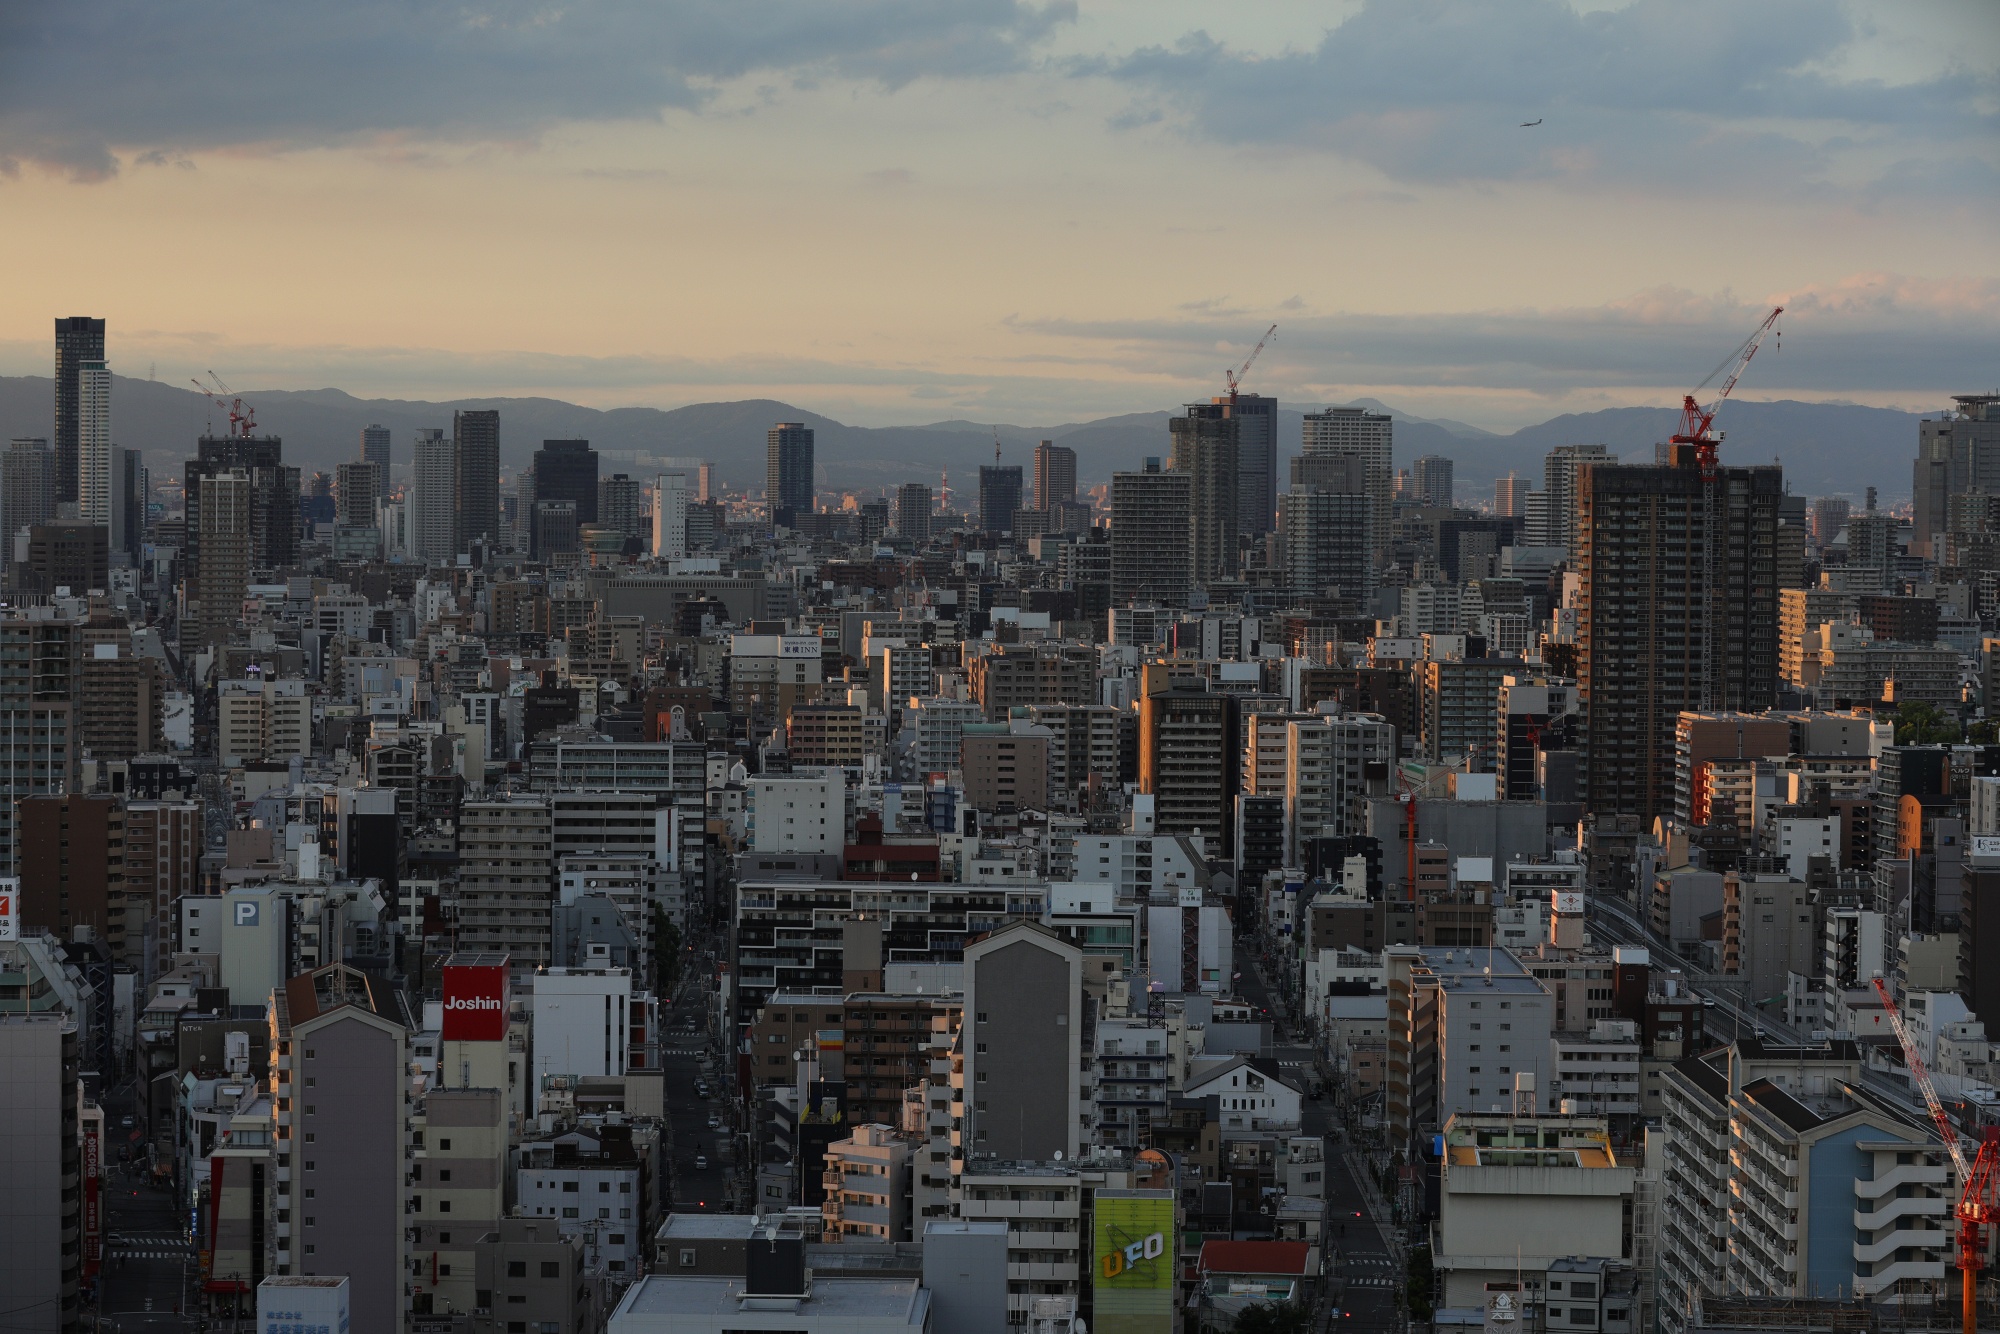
[(659, 1301)]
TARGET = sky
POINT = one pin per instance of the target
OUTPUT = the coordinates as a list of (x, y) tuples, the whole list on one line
[(1029, 211)]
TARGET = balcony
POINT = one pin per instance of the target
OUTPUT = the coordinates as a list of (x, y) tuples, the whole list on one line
[(1041, 1272), (1893, 1211), (1935, 1239)]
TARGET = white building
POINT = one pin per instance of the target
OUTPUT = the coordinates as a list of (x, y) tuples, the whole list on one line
[(670, 515), (582, 1022), (432, 509), (804, 811), (93, 444), (1253, 1095)]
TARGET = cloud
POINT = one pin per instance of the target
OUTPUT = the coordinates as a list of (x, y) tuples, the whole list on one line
[(1682, 96), (85, 81)]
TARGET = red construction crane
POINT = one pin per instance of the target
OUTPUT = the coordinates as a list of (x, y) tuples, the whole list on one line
[(1235, 377), (242, 417), (1696, 420), (1977, 1208)]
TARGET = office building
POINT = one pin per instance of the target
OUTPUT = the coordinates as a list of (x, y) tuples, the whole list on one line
[(271, 501), (1431, 480), (1023, 1087), (670, 516), (1562, 476), (476, 460), (1055, 475), (217, 586), (999, 497), (378, 454), (41, 1166), (1005, 770), (338, 1057), (1256, 420), (1677, 611), (122, 705), (913, 512), (38, 718), (1956, 454), (1152, 556), (27, 490), (507, 879), (788, 473), (63, 553), (1329, 544), (356, 492), (79, 340), (1510, 496), (93, 442), (1367, 436), (565, 472), (1205, 448)]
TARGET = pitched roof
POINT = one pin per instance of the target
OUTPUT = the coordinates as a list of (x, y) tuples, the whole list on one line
[(1255, 1257)]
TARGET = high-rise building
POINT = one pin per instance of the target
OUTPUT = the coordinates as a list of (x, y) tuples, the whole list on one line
[(27, 490), (64, 553), (1152, 557), (93, 442), (41, 1174), (1827, 519), (621, 505), (131, 494), (476, 447), (1510, 496), (1190, 763), (1370, 437), (79, 339), (567, 470), (355, 493), (433, 493), (507, 878), (38, 718), (1956, 454), (1256, 460), (1205, 448), (788, 473), (1055, 475), (376, 450), (274, 497), (670, 515), (1562, 471), (1329, 544), (216, 587), (1024, 1009), (705, 492), (1678, 611), (913, 511), (1431, 481), (999, 497), (73, 872), (337, 1042)]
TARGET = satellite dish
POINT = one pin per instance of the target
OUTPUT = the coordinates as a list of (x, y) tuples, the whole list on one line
[(1058, 1155)]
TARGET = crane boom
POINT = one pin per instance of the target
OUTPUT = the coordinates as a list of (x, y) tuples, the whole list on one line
[(1915, 1061), (1235, 377), (1697, 420)]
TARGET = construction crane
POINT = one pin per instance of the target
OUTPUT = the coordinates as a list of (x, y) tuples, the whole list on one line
[(1235, 377), (1976, 1210), (1696, 420), (242, 417)]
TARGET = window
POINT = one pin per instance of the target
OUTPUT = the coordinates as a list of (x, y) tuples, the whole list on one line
[(444, 1146), (569, 1213), (604, 1188), (551, 1269), (517, 1269), (624, 1188), (445, 1174), (618, 1239), (569, 1188), (687, 1259), (444, 1206)]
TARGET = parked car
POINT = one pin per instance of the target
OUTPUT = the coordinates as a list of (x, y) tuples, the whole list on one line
[(701, 1162)]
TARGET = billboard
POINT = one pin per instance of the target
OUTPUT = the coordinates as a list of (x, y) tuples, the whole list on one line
[(1133, 1267), (10, 908), (476, 999), (93, 1204)]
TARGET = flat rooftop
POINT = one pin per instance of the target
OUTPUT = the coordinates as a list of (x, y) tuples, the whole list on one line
[(663, 1301)]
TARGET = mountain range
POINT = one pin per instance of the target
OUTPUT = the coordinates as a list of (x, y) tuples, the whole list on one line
[(1826, 448)]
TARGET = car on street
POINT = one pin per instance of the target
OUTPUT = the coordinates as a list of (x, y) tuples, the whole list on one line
[(714, 1121), (701, 1162), (125, 1123)]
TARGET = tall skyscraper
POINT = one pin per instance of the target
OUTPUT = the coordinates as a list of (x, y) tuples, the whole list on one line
[(93, 442), (78, 339), (621, 505), (27, 490), (705, 483), (1152, 556), (1510, 496), (670, 515), (1205, 448), (1256, 461), (131, 492), (476, 449), (217, 586), (1055, 475), (1955, 454), (1431, 478), (566, 470), (913, 511), (788, 473), (1561, 470), (1370, 437), (433, 493), (1678, 611), (355, 493), (376, 449), (1329, 545), (39, 718), (999, 497)]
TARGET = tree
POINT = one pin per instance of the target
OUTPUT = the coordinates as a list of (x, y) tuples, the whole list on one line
[(1920, 724), (1272, 1318), (1419, 1284)]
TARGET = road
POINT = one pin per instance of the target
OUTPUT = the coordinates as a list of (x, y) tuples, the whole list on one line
[(1363, 1269), (148, 1263), (693, 1189)]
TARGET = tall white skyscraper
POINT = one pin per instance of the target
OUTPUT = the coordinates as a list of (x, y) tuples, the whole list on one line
[(1370, 437), (93, 442), (432, 506), (670, 515)]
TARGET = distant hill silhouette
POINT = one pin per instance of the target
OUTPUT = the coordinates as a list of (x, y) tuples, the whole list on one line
[(1827, 448)]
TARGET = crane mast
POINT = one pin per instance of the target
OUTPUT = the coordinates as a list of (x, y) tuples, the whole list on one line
[(1235, 378), (1697, 420)]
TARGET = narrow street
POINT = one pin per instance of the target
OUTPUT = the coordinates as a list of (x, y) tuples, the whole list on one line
[(149, 1267)]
